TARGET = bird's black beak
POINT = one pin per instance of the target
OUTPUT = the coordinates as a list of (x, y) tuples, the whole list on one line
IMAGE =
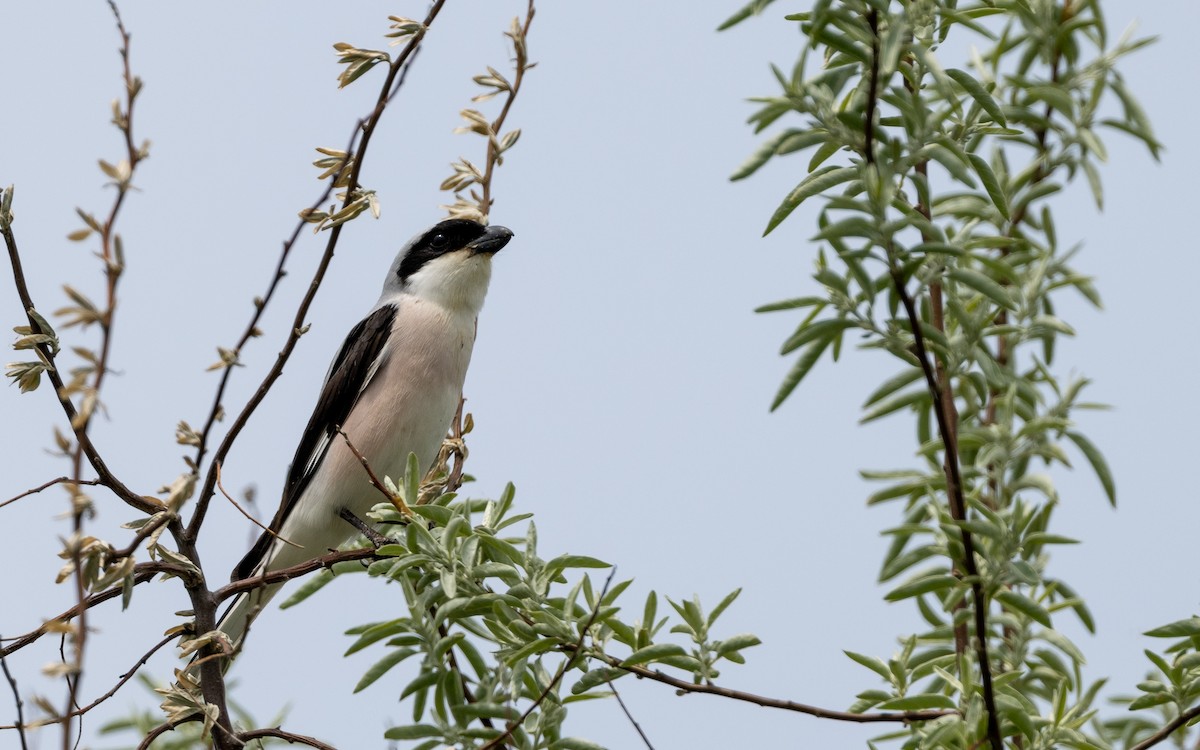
[(492, 239)]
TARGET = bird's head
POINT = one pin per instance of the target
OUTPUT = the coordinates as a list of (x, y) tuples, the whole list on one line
[(450, 263)]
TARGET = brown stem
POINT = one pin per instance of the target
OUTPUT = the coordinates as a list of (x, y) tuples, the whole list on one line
[(683, 686), (12, 684), (1162, 734), (47, 485), (120, 683), (142, 572), (485, 202), (946, 414), (290, 737), (287, 574), (628, 715)]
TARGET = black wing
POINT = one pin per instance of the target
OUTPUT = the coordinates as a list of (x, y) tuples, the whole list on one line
[(349, 374)]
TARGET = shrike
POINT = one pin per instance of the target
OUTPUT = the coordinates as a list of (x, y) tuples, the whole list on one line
[(393, 389)]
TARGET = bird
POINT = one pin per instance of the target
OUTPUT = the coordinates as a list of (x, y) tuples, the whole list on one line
[(393, 388)]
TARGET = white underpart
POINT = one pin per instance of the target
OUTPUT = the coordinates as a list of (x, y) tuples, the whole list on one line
[(406, 407)]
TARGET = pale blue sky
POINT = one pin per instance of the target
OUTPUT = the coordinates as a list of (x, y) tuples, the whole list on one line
[(620, 380)]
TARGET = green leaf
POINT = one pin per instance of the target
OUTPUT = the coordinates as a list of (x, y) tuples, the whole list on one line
[(820, 329), (382, 666), (574, 743), (722, 606), (1099, 465), (736, 643), (1150, 699), (917, 703), (990, 183), (653, 652), (872, 663), (984, 285), (753, 8), (792, 139), (1015, 602), (596, 676), (1178, 629), (922, 586), (818, 181), (414, 732), (805, 363), (977, 92), (791, 304), (893, 384)]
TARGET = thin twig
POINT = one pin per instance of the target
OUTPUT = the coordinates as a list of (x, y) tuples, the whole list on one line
[(375, 482), (485, 202), (683, 686), (158, 731), (120, 683), (291, 737), (954, 492), (142, 572), (575, 653), (12, 684), (242, 510), (112, 258), (1162, 734), (625, 709), (51, 483), (300, 569)]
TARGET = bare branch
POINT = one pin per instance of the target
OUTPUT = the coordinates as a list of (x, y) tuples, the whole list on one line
[(47, 485), (371, 473), (142, 572), (242, 510), (120, 684), (522, 65), (625, 710), (288, 736), (287, 574), (12, 684), (759, 700)]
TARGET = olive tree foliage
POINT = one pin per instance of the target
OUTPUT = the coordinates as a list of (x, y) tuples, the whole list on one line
[(936, 243)]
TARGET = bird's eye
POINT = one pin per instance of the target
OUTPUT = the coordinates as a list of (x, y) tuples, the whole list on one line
[(438, 241)]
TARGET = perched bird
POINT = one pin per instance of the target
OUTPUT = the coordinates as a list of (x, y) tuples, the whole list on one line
[(393, 388)]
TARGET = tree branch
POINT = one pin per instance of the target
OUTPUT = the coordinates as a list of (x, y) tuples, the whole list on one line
[(120, 683), (522, 65), (760, 700), (625, 710), (288, 736), (287, 574), (47, 485), (1162, 734), (12, 684), (142, 572), (944, 410)]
